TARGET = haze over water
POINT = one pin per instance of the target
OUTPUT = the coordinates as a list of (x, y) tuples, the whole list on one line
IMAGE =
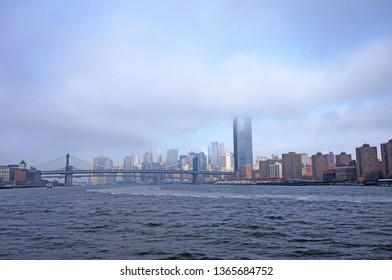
[(196, 222)]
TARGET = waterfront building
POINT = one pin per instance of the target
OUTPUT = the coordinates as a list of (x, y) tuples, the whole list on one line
[(270, 168), (386, 159), (242, 138), (368, 165), (292, 165), (5, 173), (343, 159), (246, 171), (329, 175), (264, 169), (19, 173), (346, 173), (33, 175), (319, 164)]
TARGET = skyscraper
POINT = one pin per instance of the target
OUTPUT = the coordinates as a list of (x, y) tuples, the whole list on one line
[(221, 155), (217, 155), (172, 159), (242, 136), (214, 154)]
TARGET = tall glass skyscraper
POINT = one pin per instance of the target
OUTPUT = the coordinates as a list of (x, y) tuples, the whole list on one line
[(242, 136)]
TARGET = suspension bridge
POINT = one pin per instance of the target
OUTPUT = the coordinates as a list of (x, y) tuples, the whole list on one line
[(69, 167)]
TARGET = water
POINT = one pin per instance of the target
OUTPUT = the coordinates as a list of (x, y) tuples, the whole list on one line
[(196, 222)]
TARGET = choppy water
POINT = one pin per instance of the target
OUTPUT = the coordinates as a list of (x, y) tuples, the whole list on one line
[(196, 222)]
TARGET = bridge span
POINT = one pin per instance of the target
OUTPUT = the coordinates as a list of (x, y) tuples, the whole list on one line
[(69, 171)]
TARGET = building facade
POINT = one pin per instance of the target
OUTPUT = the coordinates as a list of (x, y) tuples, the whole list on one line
[(270, 168), (242, 138), (229, 162), (102, 163), (346, 173), (368, 166), (386, 159), (172, 159), (343, 159), (276, 170), (319, 165), (292, 165)]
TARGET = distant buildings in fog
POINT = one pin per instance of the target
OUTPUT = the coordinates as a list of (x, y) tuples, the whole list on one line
[(102, 163), (367, 168), (327, 167)]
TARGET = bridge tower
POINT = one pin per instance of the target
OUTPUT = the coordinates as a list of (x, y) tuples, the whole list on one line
[(195, 174), (68, 172)]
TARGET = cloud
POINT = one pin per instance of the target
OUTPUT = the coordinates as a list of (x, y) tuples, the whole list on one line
[(115, 81)]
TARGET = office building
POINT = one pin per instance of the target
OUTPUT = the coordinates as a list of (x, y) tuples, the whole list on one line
[(242, 138)]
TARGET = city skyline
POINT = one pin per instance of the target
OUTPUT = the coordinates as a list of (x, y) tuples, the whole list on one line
[(93, 78), (147, 155)]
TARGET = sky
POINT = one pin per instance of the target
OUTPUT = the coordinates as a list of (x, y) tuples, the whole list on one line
[(119, 77)]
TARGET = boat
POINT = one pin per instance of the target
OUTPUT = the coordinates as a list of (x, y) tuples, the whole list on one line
[(384, 183)]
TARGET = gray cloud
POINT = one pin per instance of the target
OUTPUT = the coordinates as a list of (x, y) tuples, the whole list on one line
[(113, 81)]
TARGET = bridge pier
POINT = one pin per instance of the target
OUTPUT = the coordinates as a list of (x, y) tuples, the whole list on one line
[(195, 179), (68, 172)]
